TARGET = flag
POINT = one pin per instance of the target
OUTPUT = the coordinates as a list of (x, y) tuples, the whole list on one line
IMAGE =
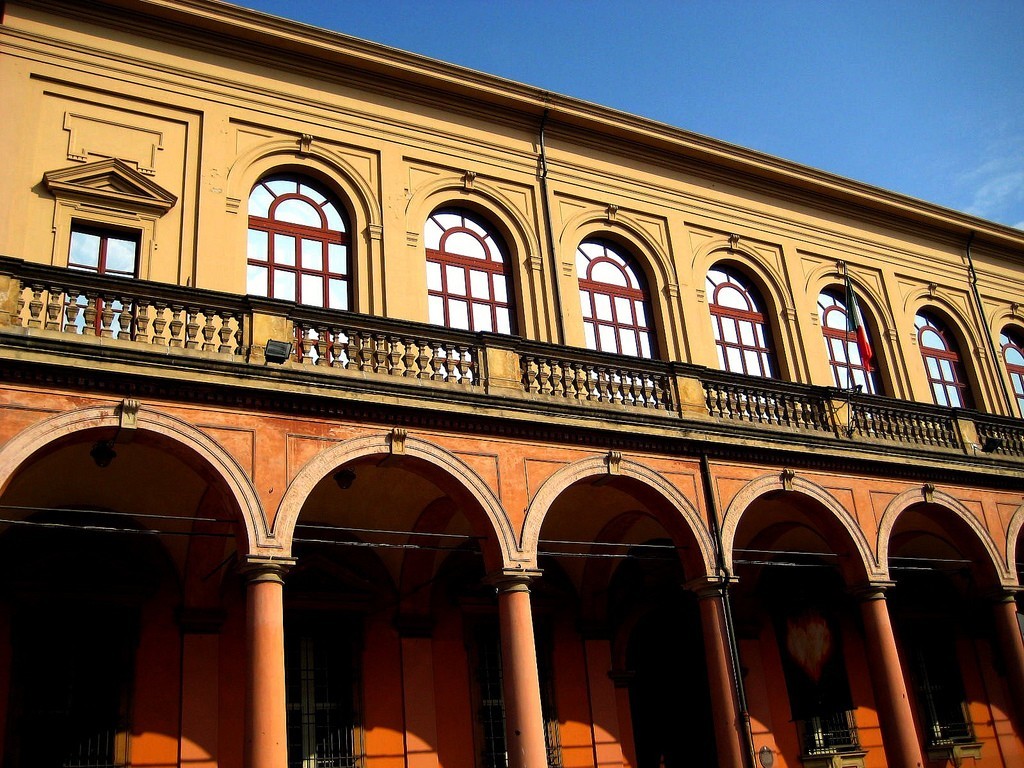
[(855, 324)]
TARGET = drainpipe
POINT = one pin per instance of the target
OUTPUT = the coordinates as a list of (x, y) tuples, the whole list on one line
[(730, 627), (985, 330), (559, 320)]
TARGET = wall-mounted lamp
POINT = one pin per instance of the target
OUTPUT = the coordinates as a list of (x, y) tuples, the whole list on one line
[(103, 453), (766, 757), (344, 478), (277, 351)]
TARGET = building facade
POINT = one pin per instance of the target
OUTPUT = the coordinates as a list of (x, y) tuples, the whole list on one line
[(360, 410)]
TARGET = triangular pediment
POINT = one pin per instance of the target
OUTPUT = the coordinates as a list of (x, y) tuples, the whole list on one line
[(112, 182)]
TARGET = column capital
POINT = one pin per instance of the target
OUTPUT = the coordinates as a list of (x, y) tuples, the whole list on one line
[(1003, 594), (259, 568), (512, 579), (708, 587), (871, 590)]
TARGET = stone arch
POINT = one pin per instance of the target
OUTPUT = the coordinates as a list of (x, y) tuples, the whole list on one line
[(597, 466), (236, 483), (286, 154), (627, 230), (722, 250), (480, 197), (1013, 533), (321, 465), (915, 496), (868, 565), (827, 276)]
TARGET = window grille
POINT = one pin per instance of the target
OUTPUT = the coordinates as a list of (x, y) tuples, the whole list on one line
[(1013, 355), (848, 369), (298, 244), (467, 278), (320, 699), (828, 734), (491, 709), (737, 320), (614, 301), (942, 362), (940, 691)]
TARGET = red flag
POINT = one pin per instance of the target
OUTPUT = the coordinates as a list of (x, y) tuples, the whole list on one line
[(855, 323)]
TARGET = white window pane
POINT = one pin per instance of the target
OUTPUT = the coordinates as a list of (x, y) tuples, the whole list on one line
[(588, 335), (627, 341), (296, 211), (479, 285), (312, 194), (458, 314), (608, 273), (734, 362), (641, 315), (464, 244), (721, 358), (591, 250), (256, 281), (762, 337), (433, 276), (334, 220), (337, 259), (603, 306), (432, 234), (947, 370), (753, 363), (853, 353), (284, 285), (623, 310), (730, 296), (85, 251), (435, 310), (504, 322), (933, 367), (282, 186), (606, 334), (456, 277), (585, 303), (474, 226), (338, 294), (645, 345), (482, 317), (500, 289), (259, 202), (313, 290), (932, 340), (257, 247), (284, 250), (120, 255), (312, 255), (729, 330), (939, 393), (747, 334), (953, 397)]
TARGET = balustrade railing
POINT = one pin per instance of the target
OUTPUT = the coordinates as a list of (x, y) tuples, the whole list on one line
[(597, 379), (367, 348), (766, 402), (62, 302), (909, 423)]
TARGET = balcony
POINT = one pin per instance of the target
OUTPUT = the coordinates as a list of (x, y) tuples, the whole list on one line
[(58, 316)]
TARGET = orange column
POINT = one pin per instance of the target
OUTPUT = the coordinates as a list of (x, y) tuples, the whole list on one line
[(524, 721), (729, 739), (266, 734), (1011, 643), (902, 747)]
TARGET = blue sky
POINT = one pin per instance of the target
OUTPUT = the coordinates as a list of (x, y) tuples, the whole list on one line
[(924, 98)]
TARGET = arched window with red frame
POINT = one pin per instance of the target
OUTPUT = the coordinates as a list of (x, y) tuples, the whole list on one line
[(467, 274), (943, 366), (1012, 343), (743, 340), (614, 299), (298, 243), (849, 369)]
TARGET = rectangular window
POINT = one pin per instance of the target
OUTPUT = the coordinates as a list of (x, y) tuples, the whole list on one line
[(102, 252), (320, 684)]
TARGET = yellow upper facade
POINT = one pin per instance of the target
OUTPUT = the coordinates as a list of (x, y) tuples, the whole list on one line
[(156, 120)]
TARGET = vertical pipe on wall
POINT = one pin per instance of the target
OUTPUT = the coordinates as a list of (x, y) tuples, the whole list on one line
[(545, 205), (972, 276)]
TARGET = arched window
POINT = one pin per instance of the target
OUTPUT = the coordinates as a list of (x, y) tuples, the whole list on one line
[(849, 368), (616, 307), (1013, 355), (467, 278), (298, 243), (744, 343), (945, 371)]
